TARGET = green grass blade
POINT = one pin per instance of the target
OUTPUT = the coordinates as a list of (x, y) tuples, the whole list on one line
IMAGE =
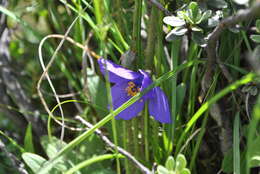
[(246, 79), (91, 161), (236, 143)]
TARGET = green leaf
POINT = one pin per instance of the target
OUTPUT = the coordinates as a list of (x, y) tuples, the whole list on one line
[(170, 163), (236, 145), (253, 91), (196, 28), (241, 2), (227, 162), (254, 153), (180, 162), (214, 20), (255, 38), (52, 145), (97, 92), (204, 16), (28, 139), (257, 24), (34, 161), (173, 21), (194, 11), (185, 171), (103, 171), (217, 4), (186, 15), (92, 160), (162, 170), (181, 91), (176, 33), (198, 38)]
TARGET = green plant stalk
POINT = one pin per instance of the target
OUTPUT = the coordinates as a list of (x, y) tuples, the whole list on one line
[(13, 142), (98, 12), (192, 93), (136, 40), (91, 161), (155, 141), (119, 15), (191, 53), (84, 16), (146, 139), (252, 132), (246, 79), (114, 130), (135, 124), (203, 126), (198, 142), (125, 140), (236, 58), (175, 56), (108, 87), (236, 145), (162, 64), (151, 39), (49, 164)]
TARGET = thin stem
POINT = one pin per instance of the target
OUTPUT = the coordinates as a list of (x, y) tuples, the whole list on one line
[(146, 141), (136, 43)]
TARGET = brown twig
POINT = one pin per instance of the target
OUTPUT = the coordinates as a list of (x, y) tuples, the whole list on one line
[(241, 16), (112, 145), (160, 7)]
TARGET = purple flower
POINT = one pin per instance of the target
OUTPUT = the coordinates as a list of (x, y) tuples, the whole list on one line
[(127, 84)]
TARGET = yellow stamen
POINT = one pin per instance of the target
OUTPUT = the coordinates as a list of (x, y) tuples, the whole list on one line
[(132, 89)]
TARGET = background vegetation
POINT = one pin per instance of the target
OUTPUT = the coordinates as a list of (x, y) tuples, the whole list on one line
[(206, 60)]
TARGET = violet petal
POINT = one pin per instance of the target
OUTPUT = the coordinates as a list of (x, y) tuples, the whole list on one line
[(119, 97), (146, 81), (159, 106), (117, 73)]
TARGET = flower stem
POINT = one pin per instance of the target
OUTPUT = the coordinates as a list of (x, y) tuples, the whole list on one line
[(146, 142)]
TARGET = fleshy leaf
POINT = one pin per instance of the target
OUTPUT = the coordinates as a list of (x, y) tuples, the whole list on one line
[(241, 2), (257, 24), (173, 21), (198, 38), (204, 16), (180, 162), (34, 161), (214, 20), (185, 171), (196, 28), (162, 170), (176, 33), (255, 38), (254, 91), (217, 4), (193, 6), (170, 163)]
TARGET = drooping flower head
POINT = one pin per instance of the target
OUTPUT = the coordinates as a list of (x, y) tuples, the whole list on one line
[(127, 84)]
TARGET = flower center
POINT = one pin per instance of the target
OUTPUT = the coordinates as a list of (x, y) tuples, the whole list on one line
[(132, 89)]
